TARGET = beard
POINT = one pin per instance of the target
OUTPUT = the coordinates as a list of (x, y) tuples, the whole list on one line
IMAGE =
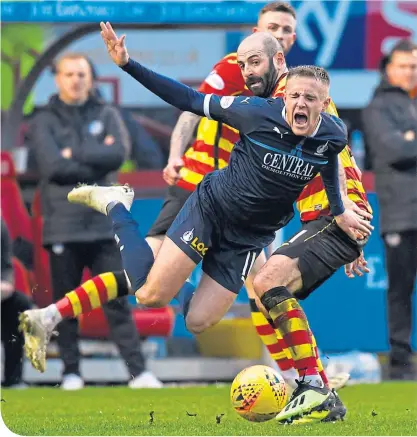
[(263, 86)]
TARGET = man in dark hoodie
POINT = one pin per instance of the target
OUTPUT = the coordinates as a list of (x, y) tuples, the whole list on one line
[(390, 123), (78, 138)]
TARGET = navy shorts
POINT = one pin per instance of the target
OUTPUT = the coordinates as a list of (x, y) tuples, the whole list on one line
[(227, 252)]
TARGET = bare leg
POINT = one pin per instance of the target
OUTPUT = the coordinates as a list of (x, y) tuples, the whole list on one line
[(170, 270), (211, 301)]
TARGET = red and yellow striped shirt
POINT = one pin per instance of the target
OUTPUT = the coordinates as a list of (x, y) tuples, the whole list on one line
[(203, 157)]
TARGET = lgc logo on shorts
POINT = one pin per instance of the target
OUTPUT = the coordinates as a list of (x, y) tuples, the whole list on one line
[(199, 247), (194, 242)]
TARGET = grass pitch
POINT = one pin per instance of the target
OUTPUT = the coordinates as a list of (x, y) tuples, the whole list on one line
[(383, 409)]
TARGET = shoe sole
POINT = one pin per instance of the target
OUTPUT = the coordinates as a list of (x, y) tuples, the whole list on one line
[(31, 342), (337, 413), (82, 195)]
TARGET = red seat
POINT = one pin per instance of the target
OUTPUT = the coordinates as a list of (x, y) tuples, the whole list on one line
[(13, 210), (16, 218), (153, 322), (21, 278)]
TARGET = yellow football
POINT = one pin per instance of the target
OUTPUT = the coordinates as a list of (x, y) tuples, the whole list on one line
[(258, 393)]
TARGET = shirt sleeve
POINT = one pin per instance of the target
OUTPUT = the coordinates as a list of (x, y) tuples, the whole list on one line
[(330, 176), (171, 91), (225, 79), (243, 113), (337, 134)]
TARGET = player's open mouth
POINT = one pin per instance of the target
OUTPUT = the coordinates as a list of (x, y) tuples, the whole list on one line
[(256, 84), (300, 119)]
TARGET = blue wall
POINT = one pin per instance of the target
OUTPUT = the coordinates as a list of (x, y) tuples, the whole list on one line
[(344, 313)]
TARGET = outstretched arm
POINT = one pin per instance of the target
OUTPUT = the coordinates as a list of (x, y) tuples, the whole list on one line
[(225, 109), (175, 93)]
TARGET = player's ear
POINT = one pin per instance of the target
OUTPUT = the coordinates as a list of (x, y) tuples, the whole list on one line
[(279, 59), (255, 29), (326, 103)]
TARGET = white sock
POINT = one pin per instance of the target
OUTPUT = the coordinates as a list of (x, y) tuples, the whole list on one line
[(290, 374), (314, 380), (52, 316)]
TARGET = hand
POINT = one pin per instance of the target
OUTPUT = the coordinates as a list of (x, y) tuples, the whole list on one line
[(171, 173), (7, 289), (357, 267), (115, 46), (349, 204), (353, 223), (109, 140), (66, 153)]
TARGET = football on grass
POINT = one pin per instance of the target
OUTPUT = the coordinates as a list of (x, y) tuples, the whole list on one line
[(258, 393)]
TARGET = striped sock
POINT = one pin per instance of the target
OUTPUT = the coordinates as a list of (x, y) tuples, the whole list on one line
[(290, 319), (93, 294), (271, 338), (319, 363)]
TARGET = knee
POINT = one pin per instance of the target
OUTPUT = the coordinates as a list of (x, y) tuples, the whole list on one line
[(197, 324), (279, 271), (149, 296), (261, 284)]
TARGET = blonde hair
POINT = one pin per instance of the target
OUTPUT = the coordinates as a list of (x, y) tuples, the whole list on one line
[(68, 56)]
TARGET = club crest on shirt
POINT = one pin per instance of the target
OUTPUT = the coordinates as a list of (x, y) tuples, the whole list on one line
[(226, 101), (96, 127), (321, 149)]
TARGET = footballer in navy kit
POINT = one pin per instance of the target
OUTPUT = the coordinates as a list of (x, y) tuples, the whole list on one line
[(234, 212)]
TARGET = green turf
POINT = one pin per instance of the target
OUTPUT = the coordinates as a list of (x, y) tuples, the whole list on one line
[(122, 411)]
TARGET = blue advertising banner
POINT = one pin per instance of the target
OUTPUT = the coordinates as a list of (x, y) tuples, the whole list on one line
[(334, 34), (131, 11)]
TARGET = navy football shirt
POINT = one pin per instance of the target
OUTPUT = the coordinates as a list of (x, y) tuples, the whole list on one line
[(270, 165)]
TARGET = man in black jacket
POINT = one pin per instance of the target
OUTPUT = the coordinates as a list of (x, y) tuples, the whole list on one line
[(77, 138), (390, 123)]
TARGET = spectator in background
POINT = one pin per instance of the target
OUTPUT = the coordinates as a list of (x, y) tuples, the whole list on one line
[(78, 138), (390, 122), (145, 151), (12, 304)]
